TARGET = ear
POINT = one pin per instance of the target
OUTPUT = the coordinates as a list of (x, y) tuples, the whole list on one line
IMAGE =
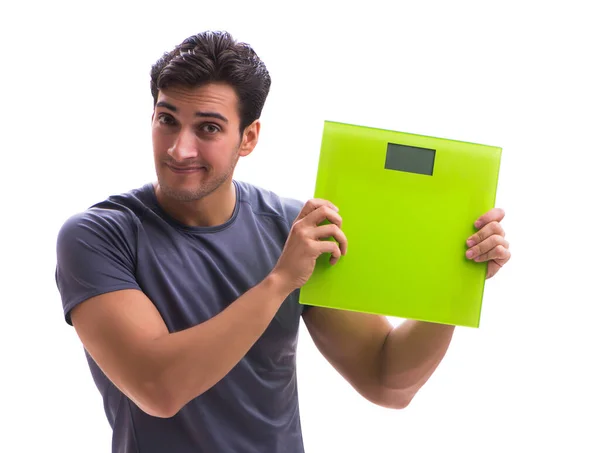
[(249, 138)]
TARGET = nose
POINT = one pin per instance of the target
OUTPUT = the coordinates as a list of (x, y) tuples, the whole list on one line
[(184, 146)]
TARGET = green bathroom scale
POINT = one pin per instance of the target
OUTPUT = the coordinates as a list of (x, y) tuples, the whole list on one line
[(408, 203)]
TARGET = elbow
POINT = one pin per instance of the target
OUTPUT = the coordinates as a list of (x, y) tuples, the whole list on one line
[(398, 393), (160, 409), (397, 400), (390, 398), (156, 400), (400, 402), (164, 399)]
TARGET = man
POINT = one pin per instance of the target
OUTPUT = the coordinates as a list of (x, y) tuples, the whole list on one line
[(184, 292)]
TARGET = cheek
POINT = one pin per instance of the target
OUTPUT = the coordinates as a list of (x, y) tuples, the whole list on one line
[(217, 150), (160, 143)]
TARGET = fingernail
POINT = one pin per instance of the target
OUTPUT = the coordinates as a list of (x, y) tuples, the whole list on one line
[(470, 243), (478, 224), (470, 254)]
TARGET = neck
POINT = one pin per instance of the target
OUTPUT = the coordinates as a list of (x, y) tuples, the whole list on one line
[(212, 210)]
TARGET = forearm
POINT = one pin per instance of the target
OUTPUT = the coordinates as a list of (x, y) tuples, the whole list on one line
[(411, 353), (189, 362)]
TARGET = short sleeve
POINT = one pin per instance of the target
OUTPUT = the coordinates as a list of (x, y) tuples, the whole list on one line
[(95, 255)]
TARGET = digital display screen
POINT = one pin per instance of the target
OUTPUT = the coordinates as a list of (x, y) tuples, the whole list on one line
[(410, 159)]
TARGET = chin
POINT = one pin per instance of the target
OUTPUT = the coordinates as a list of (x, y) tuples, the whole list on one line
[(183, 195), (188, 192)]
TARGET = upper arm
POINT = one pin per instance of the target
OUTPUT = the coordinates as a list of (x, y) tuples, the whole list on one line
[(352, 342), (95, 275), (118, 329)]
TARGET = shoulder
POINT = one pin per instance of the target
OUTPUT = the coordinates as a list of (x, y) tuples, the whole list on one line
[(264, 202), (114, 220), (96, 250)]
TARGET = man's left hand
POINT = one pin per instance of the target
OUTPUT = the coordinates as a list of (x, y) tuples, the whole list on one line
[(489, 244)]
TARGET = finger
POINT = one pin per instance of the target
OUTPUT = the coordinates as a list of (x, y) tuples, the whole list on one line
[(486, 246), (331, 230), (322, 213), (493, 215), (329, 247), (492, 269), (314, 204), (492, 228), (499, 254)]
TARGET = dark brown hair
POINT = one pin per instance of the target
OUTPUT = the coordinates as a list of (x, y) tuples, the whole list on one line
[(214, 56)]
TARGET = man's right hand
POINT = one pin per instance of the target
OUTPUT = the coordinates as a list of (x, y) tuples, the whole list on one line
[(305, 242)]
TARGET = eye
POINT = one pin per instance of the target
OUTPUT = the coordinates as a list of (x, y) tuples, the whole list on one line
[(165, 119), (210, 128)]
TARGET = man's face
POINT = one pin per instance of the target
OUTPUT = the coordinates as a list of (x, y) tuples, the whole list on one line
[(196, 139)]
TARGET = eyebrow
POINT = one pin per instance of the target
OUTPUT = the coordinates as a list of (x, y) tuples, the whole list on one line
[(171, 107)]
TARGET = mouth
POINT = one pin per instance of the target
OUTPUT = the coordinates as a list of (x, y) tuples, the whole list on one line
[(185, 169)]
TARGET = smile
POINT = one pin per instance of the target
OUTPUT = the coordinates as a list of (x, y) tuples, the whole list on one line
[(185, 169)]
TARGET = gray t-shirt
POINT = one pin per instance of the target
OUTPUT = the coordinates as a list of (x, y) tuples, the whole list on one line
[(191, 274)]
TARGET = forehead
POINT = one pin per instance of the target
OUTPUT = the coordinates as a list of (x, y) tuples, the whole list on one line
[(216, 97)]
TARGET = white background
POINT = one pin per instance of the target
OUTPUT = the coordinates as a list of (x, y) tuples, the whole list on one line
[(522, 75)]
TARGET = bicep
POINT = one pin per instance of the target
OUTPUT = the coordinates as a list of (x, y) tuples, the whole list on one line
[(117, 329), (114, 319), (352, 342)]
